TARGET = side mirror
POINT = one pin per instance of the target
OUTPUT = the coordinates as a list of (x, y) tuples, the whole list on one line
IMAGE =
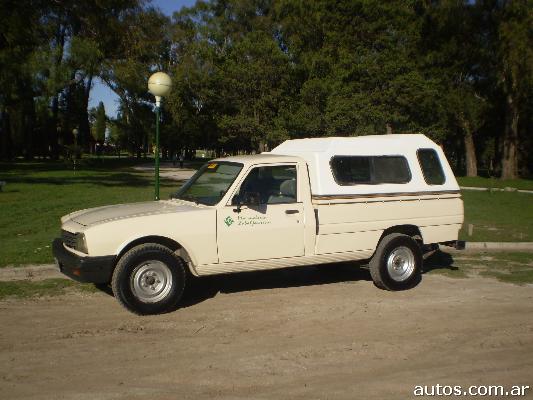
[(237, 201), (248, 199), (252, 198)]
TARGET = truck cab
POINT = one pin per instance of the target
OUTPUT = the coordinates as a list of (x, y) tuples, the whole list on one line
[(383, 199)]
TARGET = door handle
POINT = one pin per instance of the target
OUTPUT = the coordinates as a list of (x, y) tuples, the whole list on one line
[(291, 211)]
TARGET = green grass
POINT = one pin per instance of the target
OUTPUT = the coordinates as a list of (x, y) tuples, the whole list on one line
[(47, 287), (38, 194), (498, 216), (524, 184), (514, 268)]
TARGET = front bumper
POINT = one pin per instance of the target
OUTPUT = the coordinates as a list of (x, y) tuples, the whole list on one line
[(83, 269)]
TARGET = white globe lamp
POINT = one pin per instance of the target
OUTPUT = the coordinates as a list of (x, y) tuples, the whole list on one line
[(159, 85)]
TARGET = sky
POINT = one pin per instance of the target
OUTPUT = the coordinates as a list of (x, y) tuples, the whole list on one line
[(100, 92)]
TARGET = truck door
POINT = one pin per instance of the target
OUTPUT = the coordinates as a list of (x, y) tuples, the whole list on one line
[(264, 219)]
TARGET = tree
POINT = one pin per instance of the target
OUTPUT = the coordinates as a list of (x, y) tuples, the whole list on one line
[(45, 89), (361, 69), (100, 123), (514, 64), (21, 35), (140, 46), (452, 44)]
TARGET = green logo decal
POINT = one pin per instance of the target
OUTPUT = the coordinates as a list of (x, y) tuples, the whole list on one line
[(228, 221)]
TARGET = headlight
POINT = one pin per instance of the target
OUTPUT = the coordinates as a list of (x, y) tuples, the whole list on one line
[(81, 243), (75, 241)]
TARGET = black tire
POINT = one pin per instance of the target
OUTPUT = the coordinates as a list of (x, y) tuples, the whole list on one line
[(149, 279), (397, 263)]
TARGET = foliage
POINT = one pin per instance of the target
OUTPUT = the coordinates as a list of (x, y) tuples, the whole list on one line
[(249, 74)]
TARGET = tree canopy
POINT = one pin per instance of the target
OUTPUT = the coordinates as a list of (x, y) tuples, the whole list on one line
[(248, 74)]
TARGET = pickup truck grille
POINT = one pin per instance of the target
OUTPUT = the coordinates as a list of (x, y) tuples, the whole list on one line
[(69, 239)]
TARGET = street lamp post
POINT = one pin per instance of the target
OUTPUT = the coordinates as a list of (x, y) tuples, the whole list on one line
[(75, 132), (159, 85)]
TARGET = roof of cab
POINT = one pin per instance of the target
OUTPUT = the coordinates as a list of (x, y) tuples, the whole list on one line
[(266, 158)]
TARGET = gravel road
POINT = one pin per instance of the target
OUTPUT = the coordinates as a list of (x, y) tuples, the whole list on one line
[(289, 334)]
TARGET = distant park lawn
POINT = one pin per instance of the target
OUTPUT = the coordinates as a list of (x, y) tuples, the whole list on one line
[(497, 216), (38, 194), (522, 184)]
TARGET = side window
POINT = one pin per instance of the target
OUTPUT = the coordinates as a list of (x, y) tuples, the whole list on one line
[(351, 170), (270, 185), (391, 169), (356, 170), (431, 166)]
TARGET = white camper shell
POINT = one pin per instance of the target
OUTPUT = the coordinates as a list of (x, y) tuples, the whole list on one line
[(319, 152), (380, 200)]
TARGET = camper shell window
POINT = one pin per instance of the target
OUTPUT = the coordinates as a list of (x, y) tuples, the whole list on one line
[(431, 166), (370, 170)]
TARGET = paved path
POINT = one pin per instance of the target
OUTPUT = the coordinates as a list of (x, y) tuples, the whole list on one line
[(507, 189), (167, 170)]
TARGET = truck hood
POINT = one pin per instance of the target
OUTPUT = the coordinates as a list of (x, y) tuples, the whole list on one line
[(93, 216)]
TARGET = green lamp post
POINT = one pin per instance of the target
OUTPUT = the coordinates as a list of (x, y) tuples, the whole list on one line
[(75, 133), (159, 85)]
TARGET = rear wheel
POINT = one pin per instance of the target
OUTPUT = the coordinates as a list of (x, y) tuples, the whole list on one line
[(397, 262), (149, 279)]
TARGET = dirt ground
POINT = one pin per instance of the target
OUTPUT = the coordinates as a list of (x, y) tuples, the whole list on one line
[(289, 334)]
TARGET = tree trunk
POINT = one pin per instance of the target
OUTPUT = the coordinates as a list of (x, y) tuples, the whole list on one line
[(470, 149), (55, 129), (85, 131), (470, 156), (27, 120), (389, 128), (5, 131), (510, 140)]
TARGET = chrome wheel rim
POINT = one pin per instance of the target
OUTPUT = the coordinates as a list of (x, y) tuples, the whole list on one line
[(151, 281), (401, 263)]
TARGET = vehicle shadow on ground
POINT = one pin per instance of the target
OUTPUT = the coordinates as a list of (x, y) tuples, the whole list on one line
[(439, 260), (201, 289)]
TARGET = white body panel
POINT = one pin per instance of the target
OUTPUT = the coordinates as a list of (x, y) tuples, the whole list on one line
[(357, 224), (262, 232), (327, 222)]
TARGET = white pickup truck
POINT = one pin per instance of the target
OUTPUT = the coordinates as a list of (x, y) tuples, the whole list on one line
[(310, 201)]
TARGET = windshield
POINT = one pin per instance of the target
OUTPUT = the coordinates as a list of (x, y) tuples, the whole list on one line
[(210, 183)]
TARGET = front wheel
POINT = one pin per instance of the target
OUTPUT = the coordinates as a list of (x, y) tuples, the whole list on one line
[(149, 279), (397, 262)]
